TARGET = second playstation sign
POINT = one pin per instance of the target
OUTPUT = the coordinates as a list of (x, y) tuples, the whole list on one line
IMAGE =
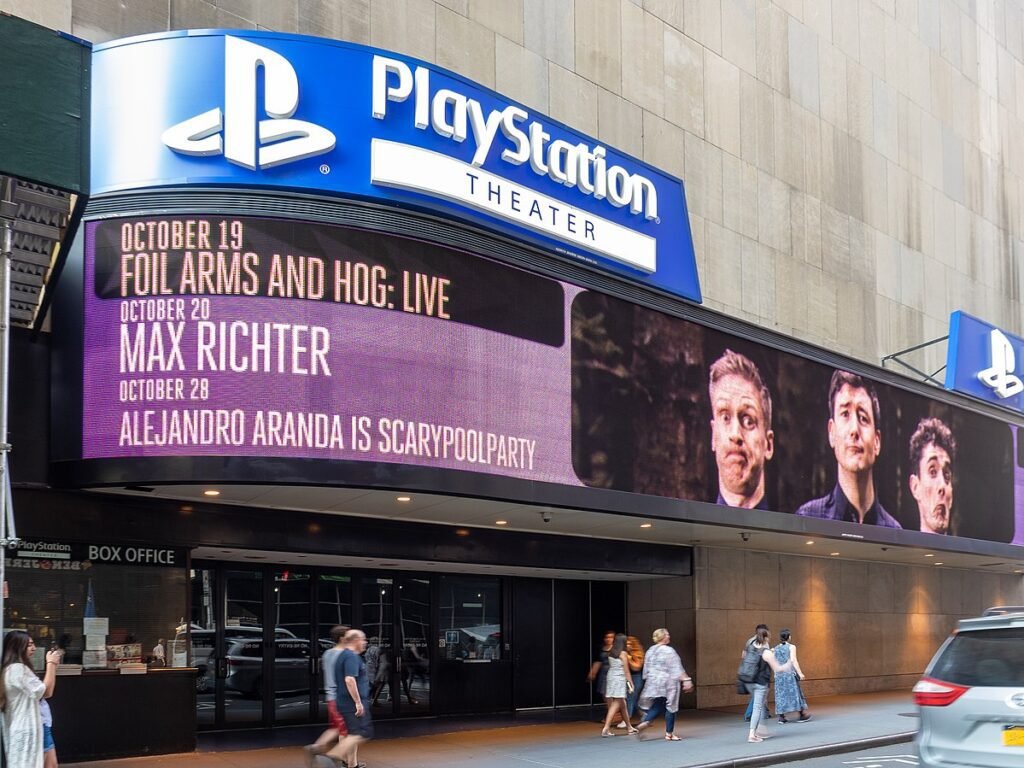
[(257, 109)]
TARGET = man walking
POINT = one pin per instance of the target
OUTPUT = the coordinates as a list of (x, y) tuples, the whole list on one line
[(337, 727), (353, 699)]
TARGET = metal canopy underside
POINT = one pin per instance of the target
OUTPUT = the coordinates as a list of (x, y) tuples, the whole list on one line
[(42, 218)]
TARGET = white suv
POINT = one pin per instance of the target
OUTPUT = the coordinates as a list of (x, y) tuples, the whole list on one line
[(971, 698)]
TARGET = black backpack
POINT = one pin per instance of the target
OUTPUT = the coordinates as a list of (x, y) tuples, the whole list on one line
[(751, 663)]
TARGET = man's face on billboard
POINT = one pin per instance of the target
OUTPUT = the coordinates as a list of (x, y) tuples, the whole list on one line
[(852, 431), (740, 439), (932, 488)]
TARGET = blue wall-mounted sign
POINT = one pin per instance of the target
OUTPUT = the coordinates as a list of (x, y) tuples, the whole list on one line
[(985, 362), (258, 109)]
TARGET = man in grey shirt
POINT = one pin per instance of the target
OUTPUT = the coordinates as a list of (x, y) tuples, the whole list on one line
[(337, 729)]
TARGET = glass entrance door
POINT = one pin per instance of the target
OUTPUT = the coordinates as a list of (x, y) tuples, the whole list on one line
[(241, 668), (396, 619), (296, 648), (413, 631), (258, 635), (333, 607)]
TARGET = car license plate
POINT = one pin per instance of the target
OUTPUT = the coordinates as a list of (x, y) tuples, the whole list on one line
[(1013, 735)]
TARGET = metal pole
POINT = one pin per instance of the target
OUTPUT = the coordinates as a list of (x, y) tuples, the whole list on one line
[(8, 210)]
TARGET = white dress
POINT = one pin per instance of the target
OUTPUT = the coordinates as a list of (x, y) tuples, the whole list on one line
[(23, 725), (615, 682)]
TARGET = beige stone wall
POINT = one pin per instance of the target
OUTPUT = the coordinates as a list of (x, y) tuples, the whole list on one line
[(853, 167), (858, 626)]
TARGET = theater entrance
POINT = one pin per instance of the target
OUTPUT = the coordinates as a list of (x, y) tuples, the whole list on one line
[(258, 632)]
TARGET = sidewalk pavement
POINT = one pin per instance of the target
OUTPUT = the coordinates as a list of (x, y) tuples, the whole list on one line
[(710, 739)]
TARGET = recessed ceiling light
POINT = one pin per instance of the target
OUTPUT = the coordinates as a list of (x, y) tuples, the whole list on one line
[(938, 563), (834, 554), (810, 541), (403, 499), (501, 522), (929, 555), (461, 532), (211, 492), (646, 525)]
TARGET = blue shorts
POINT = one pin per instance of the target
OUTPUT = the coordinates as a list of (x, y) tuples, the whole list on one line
[(48, 742)]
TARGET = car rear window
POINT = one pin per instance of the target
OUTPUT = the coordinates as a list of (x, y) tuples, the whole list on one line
[(989, 657)]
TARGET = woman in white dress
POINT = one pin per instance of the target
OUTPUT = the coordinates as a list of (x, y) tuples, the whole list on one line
[(617, 684), (22, 691)]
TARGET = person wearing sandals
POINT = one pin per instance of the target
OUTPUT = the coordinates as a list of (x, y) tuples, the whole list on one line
[(663, 672), (759, 687), (788, 696), (617, 684)]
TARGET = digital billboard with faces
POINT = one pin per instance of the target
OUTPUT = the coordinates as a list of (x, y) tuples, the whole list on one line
[(254, 337)]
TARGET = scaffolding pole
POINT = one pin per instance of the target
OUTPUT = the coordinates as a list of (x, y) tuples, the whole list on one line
[(8, 535)]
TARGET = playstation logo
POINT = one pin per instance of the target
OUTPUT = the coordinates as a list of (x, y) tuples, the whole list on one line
[(235, 131), (1000, 376)]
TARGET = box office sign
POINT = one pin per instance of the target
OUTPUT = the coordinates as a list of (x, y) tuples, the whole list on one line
[(54, 555), (984, 361), (258, 109)]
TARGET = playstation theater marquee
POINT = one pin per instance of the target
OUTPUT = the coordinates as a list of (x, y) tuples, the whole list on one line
[(303, 249)]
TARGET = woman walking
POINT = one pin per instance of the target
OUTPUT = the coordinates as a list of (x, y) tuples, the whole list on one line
[(21, 694), (663, 672), (617, 685), (762, 675), (635, 652), (788, 696)]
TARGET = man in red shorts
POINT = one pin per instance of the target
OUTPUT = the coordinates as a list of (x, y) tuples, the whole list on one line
[(353, 698), (337, 729)]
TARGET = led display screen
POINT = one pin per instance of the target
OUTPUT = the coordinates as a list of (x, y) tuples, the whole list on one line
[(211, 336)]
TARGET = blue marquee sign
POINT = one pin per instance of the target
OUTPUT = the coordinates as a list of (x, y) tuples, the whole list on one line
[(985, 362), (266, 110)]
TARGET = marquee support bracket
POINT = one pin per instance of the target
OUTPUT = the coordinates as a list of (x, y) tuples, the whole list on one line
[(897, 358)]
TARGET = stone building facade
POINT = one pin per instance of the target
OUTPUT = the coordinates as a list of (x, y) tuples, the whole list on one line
[(854, 172)]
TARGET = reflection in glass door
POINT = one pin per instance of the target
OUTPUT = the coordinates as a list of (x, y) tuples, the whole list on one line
[(377, 604), (201, 653), (414, 657), (334, 606), (295, 649), (241, 668)]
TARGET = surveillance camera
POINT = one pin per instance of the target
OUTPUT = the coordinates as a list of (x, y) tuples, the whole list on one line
[(745, 536), (546, 515)]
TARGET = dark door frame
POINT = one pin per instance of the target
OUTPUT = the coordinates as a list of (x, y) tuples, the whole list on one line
[(267, 570)]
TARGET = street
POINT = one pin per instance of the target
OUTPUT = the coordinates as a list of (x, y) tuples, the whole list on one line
[(897, 756)]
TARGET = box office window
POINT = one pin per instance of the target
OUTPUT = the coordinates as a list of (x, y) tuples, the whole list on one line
[(470, 625), (102, 614)]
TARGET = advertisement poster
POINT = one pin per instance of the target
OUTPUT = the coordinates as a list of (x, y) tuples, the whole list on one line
[(212, 336)]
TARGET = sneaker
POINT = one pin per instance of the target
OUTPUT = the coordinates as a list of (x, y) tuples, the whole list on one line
[(621, 725), (782, 720), (804, 718)]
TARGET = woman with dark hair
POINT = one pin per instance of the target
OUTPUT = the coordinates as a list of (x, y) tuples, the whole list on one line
[(617, 684), (766, 663), (25, 738), (788, 696)]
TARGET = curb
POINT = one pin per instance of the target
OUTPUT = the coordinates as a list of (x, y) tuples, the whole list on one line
[(806, 753)]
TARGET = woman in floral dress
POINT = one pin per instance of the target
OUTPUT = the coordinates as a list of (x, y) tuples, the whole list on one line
[(788, 696)]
